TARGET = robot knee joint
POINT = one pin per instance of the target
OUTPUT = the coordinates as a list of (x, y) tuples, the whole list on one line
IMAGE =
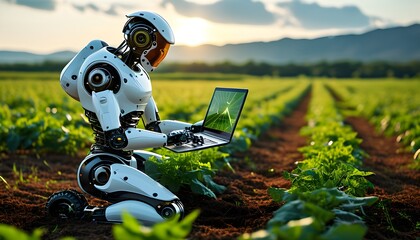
[(102, 174)]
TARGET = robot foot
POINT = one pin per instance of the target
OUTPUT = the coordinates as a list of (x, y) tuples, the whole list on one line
[(143, 212), (70, 204), (66, 204)]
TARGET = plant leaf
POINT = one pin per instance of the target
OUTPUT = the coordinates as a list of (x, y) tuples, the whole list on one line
[(199, 188)]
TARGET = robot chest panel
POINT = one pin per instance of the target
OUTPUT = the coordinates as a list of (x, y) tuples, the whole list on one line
[(134, 93)]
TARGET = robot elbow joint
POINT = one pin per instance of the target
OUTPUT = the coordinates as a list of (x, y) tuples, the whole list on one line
[(117, 139)]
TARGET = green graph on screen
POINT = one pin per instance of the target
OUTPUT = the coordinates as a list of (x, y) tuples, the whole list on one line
[(224, 110)]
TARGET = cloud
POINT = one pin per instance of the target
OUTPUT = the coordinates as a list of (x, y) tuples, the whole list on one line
[(111, 10), (314, 16), (48, 5), (89, 6), (225, 11)]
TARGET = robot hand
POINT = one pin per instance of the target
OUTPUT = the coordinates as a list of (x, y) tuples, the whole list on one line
[(179, 137)]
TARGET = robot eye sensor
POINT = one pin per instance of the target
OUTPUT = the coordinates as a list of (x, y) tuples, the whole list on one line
[(141, 37)]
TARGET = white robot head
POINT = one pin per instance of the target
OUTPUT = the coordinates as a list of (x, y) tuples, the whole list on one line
[(148, 37)]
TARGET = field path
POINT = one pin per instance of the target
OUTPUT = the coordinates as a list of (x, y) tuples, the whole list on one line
[(246, 206), (397, 186), (396, 215)]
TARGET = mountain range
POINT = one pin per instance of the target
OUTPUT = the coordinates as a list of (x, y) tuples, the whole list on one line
[(396, 44)]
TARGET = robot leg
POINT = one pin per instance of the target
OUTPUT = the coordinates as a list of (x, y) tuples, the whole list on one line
[(108, 177)]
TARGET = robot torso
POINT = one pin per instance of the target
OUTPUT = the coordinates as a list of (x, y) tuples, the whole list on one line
[(96, 69), (113, 95)]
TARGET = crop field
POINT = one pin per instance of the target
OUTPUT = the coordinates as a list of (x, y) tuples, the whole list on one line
[(310, 159)]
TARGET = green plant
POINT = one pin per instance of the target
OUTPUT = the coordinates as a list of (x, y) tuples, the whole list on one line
[(170, 229), (383, 205), (320, 214), (8, 232), (193, 169)]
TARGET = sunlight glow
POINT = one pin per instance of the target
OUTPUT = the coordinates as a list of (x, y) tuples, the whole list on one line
[(191, 32)]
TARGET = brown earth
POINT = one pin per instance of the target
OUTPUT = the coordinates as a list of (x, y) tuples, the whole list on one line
[(397, 214), (244, 207)]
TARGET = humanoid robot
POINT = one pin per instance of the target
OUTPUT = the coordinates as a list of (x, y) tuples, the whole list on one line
[(114, 88)]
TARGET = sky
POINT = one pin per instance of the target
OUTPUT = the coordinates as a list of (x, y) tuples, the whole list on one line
[(46, 26)]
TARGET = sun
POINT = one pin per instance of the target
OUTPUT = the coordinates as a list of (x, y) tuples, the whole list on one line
[(191, 32)]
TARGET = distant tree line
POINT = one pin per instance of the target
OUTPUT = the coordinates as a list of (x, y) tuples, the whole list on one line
[(338, 69)]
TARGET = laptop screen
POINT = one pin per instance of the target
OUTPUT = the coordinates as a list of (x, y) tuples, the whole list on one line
[(224, 111)]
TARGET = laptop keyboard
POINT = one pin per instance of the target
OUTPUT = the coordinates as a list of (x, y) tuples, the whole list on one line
[(208, 141), (205, 142)]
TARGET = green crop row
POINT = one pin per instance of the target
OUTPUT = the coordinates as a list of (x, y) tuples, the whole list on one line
[(391, 106), (36, 116), (333, 152), (327, 188)]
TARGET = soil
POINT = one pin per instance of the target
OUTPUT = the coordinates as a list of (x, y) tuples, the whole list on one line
[(397, 213), (244, 207)]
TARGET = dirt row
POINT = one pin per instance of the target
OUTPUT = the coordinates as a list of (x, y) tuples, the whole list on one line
[(396, 184), (244, 207), (396, 214)]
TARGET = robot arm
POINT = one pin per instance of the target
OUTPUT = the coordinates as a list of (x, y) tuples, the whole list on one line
[(107, 109), (152, 121), (108, 113)]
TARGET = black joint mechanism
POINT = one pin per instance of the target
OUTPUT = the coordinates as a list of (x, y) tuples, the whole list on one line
[(116, 138), (153, 126), (196, 127)]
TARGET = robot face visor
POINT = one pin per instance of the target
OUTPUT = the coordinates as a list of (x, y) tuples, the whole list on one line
[(156, 55)]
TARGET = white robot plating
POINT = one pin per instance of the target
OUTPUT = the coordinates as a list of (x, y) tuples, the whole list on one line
[(114, 88)]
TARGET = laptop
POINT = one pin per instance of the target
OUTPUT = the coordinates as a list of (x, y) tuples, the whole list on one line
[(220, 121)]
